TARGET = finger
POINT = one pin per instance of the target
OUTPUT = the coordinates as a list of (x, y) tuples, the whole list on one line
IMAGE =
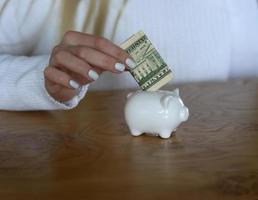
[(76, 65), (98, 70), (56, 76), (99, 43), (99, 59)]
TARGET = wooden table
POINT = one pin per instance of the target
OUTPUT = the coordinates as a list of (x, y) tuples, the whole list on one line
[(88, 153)]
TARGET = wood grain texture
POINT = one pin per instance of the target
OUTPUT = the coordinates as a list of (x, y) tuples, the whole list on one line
[(88, 153)]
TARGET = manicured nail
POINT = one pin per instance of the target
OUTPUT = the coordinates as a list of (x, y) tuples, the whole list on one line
[(120, 67), (74, 84), (130, 63), (94, 75)]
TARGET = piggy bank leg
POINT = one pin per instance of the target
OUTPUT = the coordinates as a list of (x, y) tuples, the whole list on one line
[(165, 134), (135, 132)]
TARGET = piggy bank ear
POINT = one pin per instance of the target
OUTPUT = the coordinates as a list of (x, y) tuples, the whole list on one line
[(176, 92), (128, 95), (165, 101)]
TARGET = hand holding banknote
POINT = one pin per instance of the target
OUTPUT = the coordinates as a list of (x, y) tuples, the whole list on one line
[(81, 57)]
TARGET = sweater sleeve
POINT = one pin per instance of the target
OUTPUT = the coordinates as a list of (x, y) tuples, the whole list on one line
[(22, 85)]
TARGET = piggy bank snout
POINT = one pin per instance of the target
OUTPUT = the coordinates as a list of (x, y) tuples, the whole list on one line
[(184, 113)]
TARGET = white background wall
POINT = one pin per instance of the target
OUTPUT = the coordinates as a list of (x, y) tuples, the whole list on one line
[(200, 39)]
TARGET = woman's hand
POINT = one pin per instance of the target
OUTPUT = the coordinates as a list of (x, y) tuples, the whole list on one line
[(78, 60)]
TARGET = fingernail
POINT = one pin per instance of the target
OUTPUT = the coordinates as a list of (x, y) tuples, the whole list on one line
[(74, 84), (120, 67), (130, 63), (94, 75)]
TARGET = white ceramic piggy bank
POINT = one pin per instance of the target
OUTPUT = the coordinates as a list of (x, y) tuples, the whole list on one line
[(157, 113)]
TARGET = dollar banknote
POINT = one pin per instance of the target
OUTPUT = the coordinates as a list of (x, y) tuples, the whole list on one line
[(150, 72)]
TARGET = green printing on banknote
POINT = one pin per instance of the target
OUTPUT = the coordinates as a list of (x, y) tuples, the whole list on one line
[(151, 72)]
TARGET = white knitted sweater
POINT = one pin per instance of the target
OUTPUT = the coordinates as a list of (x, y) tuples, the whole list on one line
[(200, 39)]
